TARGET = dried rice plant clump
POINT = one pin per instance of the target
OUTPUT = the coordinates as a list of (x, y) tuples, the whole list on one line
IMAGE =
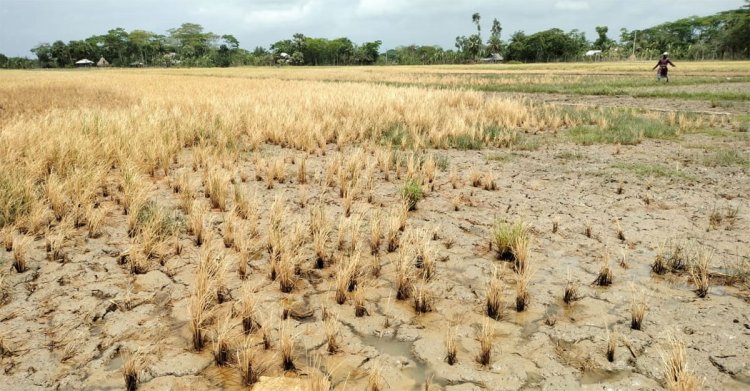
[(392, 234), (200, 304), (375, 227), (587, 230), (197, 223), (475, 177), (229, 234), (677, 376), (302, 171), (375, 377), (320, 241), (95, 220), (699, 272), (555, 224), (660, 260), (520, 250), (285, 273), (605, 273), (6, 236), (506, 235), (332, 330), (451, 355), (222, 338), (286, 347), (132, 367), (523, 281), (422, 298), (637, 308), (250, 369), (494, 306), (611, 345), (360, 308), (4, 291), (488, 182), (21, 246), (217, 188), (454, 178), (571, 290), (404, 278), (620, 232), (247, 310), (485, 337)]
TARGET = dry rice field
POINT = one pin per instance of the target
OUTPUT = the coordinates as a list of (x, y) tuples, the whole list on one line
[(539, 227)]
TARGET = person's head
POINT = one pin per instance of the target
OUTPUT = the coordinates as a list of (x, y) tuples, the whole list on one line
[(664, 55)]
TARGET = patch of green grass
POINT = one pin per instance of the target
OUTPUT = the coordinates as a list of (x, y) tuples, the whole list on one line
[(396, 136), (527, 144), (464, 142), (654, 170), (743, 123), (164, 222), (567, 155), (412, 193), (442, 162), (625, 128), (500, 157), (727, 158)]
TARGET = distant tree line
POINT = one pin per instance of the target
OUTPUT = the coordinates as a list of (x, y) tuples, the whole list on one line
[(720, 36)]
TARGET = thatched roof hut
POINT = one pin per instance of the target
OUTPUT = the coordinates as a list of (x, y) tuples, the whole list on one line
[(102, 62)]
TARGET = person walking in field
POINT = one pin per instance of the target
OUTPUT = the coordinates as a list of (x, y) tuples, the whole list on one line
[(662, 65)]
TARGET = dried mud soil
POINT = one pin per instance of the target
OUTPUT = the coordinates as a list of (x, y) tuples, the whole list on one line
[(655, 104), (67, 325)]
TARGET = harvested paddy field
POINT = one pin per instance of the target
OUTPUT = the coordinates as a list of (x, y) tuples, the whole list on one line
[(402, 228)]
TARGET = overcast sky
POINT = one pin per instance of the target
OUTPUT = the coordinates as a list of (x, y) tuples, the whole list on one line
[(26, 23)]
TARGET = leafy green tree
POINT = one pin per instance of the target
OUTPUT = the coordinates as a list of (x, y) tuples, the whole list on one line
[(603, 42), (43, 53), (494, 43)]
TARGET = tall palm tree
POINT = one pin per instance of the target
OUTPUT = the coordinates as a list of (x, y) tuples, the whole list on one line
[(475, 19)]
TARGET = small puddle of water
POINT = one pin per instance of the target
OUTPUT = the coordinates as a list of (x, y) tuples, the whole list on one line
[(420, 373)]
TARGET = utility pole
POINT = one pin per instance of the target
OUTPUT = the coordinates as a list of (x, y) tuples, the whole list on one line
[(635, 36)]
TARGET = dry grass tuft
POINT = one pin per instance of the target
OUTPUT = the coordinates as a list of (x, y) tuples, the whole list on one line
[(250, 369), (375, 227), (4, 291), (332, 330), (132, 367), (699, 272), (247, 310), (197, 223), (285, 273), (451, 355), (605, 272), (523, 281), (286, 347), (404, 277), (637, 308), (494, 306), (221, 347), (360, 309), (422, 298), (677, 376), (200, 305), (21, 246), (611, 345), (571, 290), (486, 336), (375, 377), (6, 237)]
